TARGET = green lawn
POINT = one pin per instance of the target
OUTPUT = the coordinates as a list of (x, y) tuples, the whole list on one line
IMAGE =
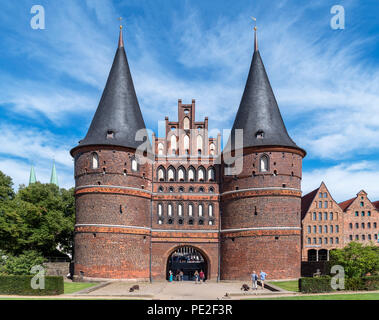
[(353, 296), (72, 287), (287, 285)]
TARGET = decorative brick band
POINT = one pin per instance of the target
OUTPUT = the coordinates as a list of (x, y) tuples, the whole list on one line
[(112, 229), (261, 233), (185, 240), (114, 190), (190, 197), (259, 192), (184, 234)]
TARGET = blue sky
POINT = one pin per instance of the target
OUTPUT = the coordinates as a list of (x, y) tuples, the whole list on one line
[(326, 81)]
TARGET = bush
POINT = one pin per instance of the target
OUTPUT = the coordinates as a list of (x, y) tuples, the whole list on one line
[(364, 283), (20, 265), (315, 285), (21, 285)]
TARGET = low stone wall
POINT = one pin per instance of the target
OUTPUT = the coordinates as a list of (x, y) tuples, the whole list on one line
[(57, 268)]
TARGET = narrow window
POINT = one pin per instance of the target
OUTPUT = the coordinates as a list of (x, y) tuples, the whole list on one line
[(210, 210), (264, 163), (201, 174), (134, 165), (95, 161), (200, 210)]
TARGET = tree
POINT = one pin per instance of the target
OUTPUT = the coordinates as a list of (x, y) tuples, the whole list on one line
[(39, 217), (6, 187), (21, 264), (356, 259)]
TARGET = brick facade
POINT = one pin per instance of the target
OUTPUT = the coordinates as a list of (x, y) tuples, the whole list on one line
[(328, 225)]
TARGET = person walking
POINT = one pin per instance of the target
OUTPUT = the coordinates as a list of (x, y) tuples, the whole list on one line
[(263, 276), (202, 276), (181, 274), (254, 279), (170, 276), (196, 277)]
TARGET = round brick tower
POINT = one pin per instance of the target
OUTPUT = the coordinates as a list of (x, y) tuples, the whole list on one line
[(261, 198), (113, 185)]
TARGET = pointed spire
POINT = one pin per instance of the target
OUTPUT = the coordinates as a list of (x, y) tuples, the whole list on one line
[(258, 114), (120, 40), (32, 176), (118, 117), (54, 177)]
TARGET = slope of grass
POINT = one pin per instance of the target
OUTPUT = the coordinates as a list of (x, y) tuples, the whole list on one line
[(353, 296), (292, 285), (72, 287)]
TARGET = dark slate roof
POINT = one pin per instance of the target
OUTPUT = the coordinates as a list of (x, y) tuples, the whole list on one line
[(306, 202), (258, 111), (118, 110), (376, 204)]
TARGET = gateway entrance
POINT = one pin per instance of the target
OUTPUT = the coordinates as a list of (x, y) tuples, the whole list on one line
[(188, 260)]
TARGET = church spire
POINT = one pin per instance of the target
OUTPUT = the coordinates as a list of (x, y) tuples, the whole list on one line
[(32, 176), (258, 114), (118, 116), (120, 39), (54, 176)]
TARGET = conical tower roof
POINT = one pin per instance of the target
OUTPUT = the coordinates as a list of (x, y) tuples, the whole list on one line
[(118, 117), (54, 176), (32, 176), (258, 114)]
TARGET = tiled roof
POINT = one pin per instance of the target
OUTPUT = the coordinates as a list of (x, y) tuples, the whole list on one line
[(306, 202), (346, 204)]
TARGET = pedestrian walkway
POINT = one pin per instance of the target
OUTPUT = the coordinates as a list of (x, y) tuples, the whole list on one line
[(184, 290)]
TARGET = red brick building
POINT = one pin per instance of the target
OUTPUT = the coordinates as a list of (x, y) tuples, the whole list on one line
[(182, 203), (328, 225)]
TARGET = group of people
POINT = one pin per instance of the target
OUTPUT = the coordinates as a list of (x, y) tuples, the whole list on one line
[(199, 276), (254, 279)]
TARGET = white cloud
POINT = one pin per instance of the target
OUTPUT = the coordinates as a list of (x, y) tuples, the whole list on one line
[(345, 180)]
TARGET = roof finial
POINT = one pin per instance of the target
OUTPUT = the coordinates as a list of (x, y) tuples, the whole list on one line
[(120, 40), (255, 34)]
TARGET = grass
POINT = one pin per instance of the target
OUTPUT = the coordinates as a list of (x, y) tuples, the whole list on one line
[(292, 285), (346, 296), (72, 287)]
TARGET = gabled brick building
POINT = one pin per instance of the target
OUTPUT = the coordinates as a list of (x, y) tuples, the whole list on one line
[(328, 225), (179, 203)]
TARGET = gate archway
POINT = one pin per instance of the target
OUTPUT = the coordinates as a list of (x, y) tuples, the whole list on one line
[(187, 259)]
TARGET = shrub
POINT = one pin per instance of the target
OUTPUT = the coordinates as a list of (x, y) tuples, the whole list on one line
[(20, 265), (315, 285), (364, 283), (21, 285)]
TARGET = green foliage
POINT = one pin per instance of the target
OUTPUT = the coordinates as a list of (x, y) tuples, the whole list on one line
[(364, 283), (6, 187), (21, 285), (315, 285), (21, 264), (356, 259), (39, 217)]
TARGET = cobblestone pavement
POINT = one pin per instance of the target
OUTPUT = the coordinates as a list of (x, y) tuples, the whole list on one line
[(177, 290)]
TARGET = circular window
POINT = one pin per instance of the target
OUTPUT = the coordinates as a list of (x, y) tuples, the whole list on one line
[(201, 222), (180, 221), (170, 221), (190, 222)]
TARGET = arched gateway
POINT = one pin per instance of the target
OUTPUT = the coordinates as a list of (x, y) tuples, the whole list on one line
[(186, 259)]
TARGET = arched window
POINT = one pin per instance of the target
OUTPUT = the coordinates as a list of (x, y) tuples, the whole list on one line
[(210, 210), (169, 210), (173, 143), (200, 174), (211, 174), (199, 142), (264, 163), (212, 149), (186, 144), (191, 174), (171, 174), (160, 211), (180, 210), (95, 161), (181, 174), (134, 164), (190, 210), (200, 210), (161, 174), (160, 149), (186, 123)]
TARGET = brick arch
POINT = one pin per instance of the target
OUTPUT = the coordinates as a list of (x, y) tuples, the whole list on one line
[(203, 252)]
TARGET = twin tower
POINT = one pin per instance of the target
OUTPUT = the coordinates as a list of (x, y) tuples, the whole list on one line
[(187, 207)]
